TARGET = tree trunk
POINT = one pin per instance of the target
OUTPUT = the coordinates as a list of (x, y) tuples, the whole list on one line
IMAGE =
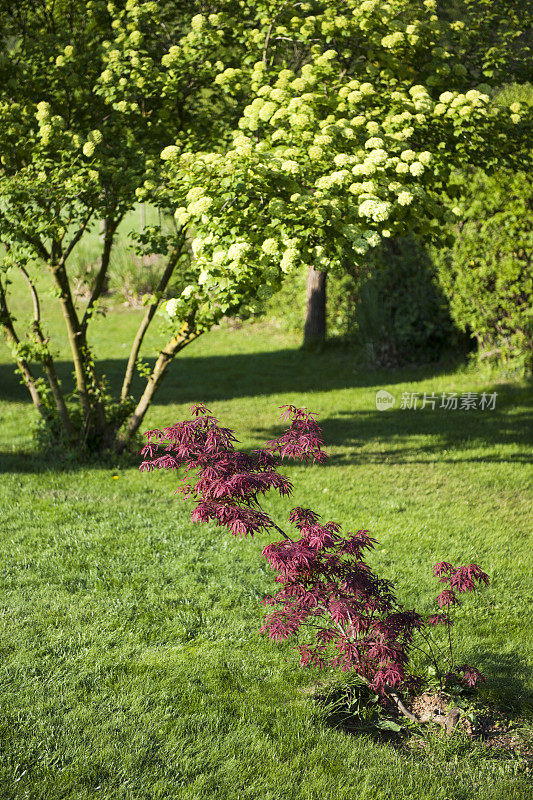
[(315, 309), (104, 277), (166, 356)]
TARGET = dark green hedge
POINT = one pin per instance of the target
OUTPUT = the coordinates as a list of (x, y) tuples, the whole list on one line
[(487, 273)]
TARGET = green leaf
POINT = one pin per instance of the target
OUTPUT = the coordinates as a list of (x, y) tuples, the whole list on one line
[(388, 725)]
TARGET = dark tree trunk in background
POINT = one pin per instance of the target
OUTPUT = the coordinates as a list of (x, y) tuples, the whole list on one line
[(315, 308)]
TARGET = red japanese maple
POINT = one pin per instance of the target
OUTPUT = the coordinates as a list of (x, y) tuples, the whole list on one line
[(352, 617)]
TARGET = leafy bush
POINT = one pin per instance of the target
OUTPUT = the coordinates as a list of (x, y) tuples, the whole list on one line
[(487, 273), (352, 618), (393, 307), (401, 313)]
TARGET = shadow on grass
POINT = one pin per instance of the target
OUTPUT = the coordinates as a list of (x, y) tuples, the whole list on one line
[(504, 700), (444, 436), (505, 674), (394, 436), (223, 377)]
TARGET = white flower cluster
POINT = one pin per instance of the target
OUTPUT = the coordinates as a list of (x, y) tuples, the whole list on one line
[(238, 250), (324, 140), (194, 194), (200, 206), (373, 238), (170, 153), (393, 40), (405, 198), (372, 127), (243, 145), (292, 167), (172, 307), (182, 216), (315, 153), (289, 259), (267, 111), (43, 112), (354, 97), (378, 156), (299, 120), (377, 210), (198, 22), (270, 247), (374, 143), (416, 169), (343, 160)]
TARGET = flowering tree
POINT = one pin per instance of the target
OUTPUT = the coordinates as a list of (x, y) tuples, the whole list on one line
[(90, 93), (339, 611), (334, 156), (344, 135)]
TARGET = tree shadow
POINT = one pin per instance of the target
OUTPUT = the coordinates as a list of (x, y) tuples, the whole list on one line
[(443, 435), (505, 674), (366, 436), (504, 699), (224, 377)]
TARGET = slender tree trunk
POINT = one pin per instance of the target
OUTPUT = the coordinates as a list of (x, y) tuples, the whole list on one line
[(147, 319), (315, 309), (47, 359), (162, 364), (27, 375), (87, 381), (106, 242)]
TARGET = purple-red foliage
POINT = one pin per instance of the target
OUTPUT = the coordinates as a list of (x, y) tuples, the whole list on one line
[(327, 588), (469, 676), (229, 482)]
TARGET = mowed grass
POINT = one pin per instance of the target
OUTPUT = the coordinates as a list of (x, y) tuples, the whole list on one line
[(131, 665)]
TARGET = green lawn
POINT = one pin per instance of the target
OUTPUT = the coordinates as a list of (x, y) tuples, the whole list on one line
[(131, 666)]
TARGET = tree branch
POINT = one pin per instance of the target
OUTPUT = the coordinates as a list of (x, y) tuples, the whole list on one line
[(110, 230), (39, 246), (75, 335), (166, 355), (77, 236), (7, 322), (47, 359), (282, 532), (147, 319), (269, 31)]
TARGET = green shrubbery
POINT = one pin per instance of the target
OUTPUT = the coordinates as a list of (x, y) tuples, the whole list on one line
[(409, 303), (393, 307), (487, 274)]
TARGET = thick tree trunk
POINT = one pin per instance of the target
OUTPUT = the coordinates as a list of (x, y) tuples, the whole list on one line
[(315, 309)]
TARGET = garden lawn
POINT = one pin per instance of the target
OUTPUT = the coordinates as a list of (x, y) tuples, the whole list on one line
[(131, 666)]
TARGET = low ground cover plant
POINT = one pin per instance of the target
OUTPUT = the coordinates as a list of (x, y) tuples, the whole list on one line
[(340, 612)]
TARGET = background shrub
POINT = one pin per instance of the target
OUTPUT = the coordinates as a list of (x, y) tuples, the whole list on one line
[(487, 274), (395, 308)]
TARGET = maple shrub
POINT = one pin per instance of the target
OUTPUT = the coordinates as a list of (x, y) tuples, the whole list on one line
[(337, 609)]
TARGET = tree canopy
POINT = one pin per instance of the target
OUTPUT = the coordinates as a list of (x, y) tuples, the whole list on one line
[(274, 133)]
